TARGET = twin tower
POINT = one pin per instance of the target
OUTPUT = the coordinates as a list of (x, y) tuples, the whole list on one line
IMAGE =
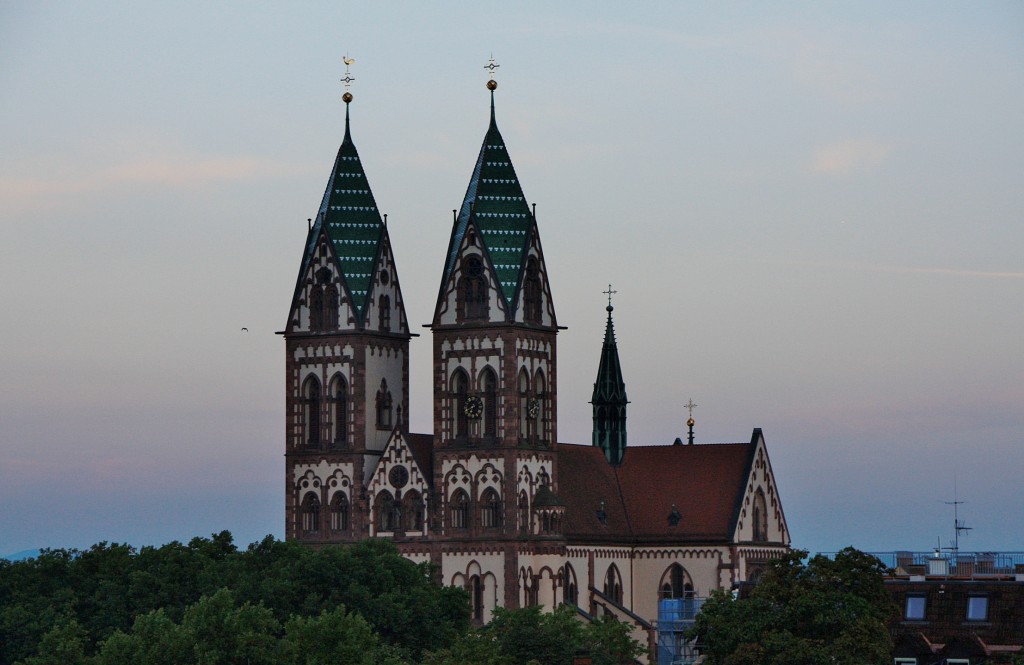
[(353, 468)]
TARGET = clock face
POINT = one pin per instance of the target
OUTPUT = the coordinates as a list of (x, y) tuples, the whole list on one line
[(399, 476), (474, 407), (533, 407)]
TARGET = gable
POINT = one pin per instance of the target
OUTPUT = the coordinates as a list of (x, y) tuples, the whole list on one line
[(760, 491), (397, 453), (449, 311), (320, 282), (384, 292), (535, 256)]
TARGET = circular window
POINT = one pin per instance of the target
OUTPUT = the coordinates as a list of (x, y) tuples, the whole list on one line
[(399, 476), (384, 277)]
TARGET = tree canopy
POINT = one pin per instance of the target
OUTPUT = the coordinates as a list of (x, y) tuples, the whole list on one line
[(825, 611)]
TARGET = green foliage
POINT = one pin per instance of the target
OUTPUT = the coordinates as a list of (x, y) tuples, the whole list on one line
[(828, 612), (142, 606)]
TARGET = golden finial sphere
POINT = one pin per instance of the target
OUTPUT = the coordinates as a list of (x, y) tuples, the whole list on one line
[(347, 97), (690, 422), (492, 84)]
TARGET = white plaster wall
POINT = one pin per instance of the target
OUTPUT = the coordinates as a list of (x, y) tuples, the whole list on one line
[(382, 363), (456, 569)]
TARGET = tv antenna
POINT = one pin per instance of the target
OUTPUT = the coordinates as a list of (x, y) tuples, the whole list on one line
[(958, 524)]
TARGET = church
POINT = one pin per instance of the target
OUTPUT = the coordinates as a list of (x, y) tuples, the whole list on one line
[(491, 497)]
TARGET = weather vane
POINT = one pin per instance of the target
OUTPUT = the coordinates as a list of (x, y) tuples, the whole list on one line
[(491, 66), (609, 293), (348, 78)]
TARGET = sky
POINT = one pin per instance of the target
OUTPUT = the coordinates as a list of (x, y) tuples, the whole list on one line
[(811, 214)]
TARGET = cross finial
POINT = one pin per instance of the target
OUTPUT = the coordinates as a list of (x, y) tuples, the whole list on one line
[(491, 66), (347, 80), (690, 407), (609, 293)]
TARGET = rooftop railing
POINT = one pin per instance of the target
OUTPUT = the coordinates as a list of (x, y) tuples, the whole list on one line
[(950, 564)]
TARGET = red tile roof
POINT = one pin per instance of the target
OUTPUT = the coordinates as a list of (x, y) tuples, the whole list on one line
[(705, 482)]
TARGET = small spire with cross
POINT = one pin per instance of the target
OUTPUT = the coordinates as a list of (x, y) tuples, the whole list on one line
[(348, 78), (690, 422), (491, 66), (609, 293)]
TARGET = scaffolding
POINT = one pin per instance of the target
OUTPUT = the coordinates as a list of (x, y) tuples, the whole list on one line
[(675, 617)]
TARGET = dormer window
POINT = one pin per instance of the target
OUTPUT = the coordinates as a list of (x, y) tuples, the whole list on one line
[(674, 516)]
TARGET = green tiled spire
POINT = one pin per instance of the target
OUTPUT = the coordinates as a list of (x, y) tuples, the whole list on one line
[(350, 217), (609, 399), (495, 202)]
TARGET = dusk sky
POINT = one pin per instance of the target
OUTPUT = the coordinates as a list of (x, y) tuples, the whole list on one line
[(813, 215)]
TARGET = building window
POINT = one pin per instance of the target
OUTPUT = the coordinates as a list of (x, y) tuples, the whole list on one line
[(490, 510), (311, 410), (316, 308), (413, 509), (613, 584), (571, 594), (310, 514), (906, 661), (384, 406), (532, 292), (330, 315), (458, 510), (676, 583), (476, 598), (384, 313), (339, 512), (459, 393), (977, 608), (338, 397), (759, 517), (490, 388), (539, 426), (915, 608), (388, 512), (524, 513), (474, 299)]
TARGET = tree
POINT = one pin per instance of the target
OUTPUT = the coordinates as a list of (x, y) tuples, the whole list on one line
[(827, 612)]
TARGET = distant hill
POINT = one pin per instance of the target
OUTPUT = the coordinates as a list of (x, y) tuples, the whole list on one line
[(22, 555)]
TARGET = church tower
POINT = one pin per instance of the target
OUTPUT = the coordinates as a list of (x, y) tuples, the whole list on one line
[(495, 384), (347, 366), (609, 399)]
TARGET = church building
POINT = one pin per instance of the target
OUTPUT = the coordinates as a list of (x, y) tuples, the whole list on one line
[(492, 498)]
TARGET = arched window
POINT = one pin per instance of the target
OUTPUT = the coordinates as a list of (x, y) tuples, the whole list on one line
[(412, 509), (759, 517), (473, 297), (613, 584), (532, 292), (310, 514), (459, 393), (540, 421), (384, 312), (339, 512), (338, 397), (458, 510), (476, 598), (490, 509), (384, 410), (330, 316), (311, 410), (675, 583), (571, 592), (387, 512), (316, 308), (525, 406), (524, 512), (490, 389)]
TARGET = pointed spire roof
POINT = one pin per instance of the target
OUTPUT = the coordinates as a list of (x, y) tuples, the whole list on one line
[(609, 387), (494, 201), (349, 216)]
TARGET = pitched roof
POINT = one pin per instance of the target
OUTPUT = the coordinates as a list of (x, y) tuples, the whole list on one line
[(422, 447), (349, 216), (495, 202), (704, 482), (609, 386)]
